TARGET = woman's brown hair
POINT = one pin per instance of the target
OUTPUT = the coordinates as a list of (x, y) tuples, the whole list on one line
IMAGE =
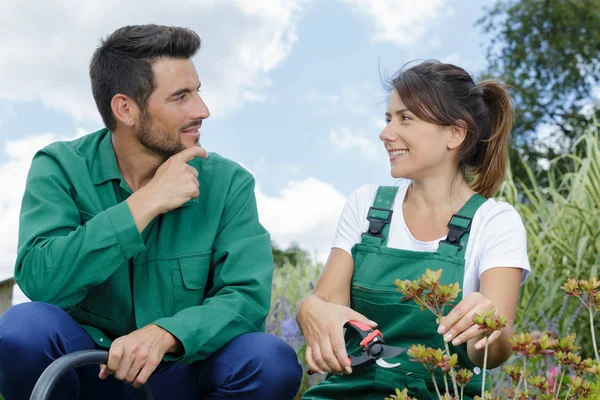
[(445, 94)]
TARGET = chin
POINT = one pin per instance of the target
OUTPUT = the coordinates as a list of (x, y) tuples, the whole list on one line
[(396, 174)]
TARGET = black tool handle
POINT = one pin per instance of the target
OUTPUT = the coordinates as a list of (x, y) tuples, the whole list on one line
[(59, 368)]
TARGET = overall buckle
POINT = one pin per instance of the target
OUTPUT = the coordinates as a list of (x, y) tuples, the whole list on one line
[(376, 225), (456, 232)]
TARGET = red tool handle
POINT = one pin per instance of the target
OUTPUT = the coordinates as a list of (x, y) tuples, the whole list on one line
[(360, 325)]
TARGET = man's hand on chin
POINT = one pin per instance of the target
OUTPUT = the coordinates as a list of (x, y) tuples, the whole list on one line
[(134, 357)]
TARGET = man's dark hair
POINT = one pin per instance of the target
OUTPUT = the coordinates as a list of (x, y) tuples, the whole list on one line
[(123, 63)]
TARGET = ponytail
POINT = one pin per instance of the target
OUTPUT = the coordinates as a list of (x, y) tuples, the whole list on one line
[(488, 174)]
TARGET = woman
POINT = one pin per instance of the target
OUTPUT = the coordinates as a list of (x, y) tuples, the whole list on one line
[(448, 138)]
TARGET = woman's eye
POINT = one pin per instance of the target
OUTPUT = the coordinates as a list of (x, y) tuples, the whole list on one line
[(406, 117), (387, 120)]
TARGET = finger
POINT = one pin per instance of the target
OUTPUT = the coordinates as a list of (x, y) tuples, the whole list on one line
[(465, 323), (114, 358), (339, 350), (312, 366), (469, 306), (190, 153), (125, 365), (330, 358), (356, 316), (145, 373), (466, 335), (193, 171), (322, 367), (457, 313), (103, 374), (136, 367), (493, 337)]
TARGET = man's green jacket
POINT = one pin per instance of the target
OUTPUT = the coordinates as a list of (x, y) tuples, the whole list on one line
[(202, 271)]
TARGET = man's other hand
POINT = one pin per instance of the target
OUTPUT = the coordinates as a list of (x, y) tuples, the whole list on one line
[(134, 357)]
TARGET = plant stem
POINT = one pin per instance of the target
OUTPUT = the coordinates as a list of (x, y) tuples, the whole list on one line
[(446, 384), (462, 396), (568, 392), (520, 378), (593, 334), (485, 354), (437, 390), (554, 387), (560, 382), (452, 372)]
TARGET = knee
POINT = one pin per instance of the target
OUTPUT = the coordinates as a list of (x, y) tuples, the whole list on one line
[(276, 360), (27, 326)]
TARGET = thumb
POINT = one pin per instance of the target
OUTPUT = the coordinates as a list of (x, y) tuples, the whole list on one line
[(356, 316)]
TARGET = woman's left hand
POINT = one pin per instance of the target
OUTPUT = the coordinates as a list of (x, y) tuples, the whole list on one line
[(458, 325)]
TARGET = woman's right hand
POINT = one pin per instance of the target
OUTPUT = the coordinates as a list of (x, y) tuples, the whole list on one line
[(322, 324)]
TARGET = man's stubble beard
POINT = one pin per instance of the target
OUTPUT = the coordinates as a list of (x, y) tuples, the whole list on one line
[(158, 142)]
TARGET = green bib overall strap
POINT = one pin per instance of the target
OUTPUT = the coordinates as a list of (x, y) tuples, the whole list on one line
[(459, 227), (380, 216)]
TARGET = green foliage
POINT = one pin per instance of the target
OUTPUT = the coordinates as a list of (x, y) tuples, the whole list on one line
[(292, 281), (549, 53), (293, 255)]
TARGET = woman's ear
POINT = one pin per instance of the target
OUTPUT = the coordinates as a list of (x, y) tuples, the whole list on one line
[(124, 109), (457, 133)]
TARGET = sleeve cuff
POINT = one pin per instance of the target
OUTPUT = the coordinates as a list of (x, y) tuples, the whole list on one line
[(170, 326), (125, 230)]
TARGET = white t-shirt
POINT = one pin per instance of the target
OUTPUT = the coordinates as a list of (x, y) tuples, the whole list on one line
[(497, 237)]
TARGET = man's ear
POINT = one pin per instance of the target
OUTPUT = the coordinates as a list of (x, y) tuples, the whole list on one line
[(125, 110), (457, 133)]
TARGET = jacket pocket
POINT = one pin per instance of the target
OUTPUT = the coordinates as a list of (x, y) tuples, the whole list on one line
[(190, 280)]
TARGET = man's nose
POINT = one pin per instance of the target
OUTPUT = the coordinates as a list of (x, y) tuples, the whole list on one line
[(200, 110)]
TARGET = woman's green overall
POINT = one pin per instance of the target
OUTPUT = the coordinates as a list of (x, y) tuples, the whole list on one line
[(402, 323)]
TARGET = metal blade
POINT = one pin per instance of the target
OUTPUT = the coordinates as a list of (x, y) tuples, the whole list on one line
[(386, 364), (389, 351)]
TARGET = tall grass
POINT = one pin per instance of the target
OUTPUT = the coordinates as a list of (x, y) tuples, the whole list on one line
[(563, 234)]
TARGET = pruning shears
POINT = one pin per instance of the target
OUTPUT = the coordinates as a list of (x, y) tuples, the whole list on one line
[(375, 349)]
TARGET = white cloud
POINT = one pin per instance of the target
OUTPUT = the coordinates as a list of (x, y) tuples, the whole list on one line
[(14, 173), (344, 140), (402, 22), (453, 59), (305, 212), (7, 113), (354, 99), (46, 46)]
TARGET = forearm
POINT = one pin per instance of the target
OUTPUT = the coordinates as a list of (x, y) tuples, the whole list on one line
[(334, 283), (143, 209), (60, 269)]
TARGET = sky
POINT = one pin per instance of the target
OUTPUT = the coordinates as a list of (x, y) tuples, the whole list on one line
[(294, 88)]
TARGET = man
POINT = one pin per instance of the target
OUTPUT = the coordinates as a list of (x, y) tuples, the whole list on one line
[(134, 239)]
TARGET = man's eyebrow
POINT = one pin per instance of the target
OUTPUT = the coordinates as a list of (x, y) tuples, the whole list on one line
[(183, 91)]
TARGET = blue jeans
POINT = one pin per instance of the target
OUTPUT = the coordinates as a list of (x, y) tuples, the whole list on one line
[(32, 335)]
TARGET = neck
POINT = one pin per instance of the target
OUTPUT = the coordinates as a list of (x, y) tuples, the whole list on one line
[(136, 163), (439, 194)]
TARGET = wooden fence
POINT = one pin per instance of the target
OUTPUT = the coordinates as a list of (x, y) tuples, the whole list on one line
[(6, 293)]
